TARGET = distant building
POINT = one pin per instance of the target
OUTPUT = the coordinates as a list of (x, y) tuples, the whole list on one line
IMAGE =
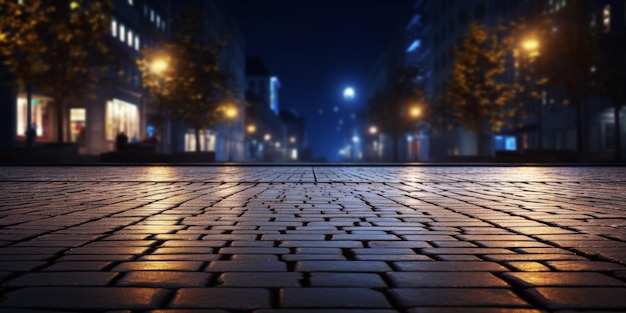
[(265, 131), (296, 136), (226, 139)]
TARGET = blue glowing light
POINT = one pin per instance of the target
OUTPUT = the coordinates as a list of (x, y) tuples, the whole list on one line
[(348, 93), (416, 44)]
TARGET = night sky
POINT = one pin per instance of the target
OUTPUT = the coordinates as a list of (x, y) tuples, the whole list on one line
[(318, 48)]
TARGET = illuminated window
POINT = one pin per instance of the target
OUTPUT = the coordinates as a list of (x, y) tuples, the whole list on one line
[(207, 141), (137, 42), (151, 15), (158, 20), (40, 113), (121, 117), (130, 38), (416, 44), (130, 2), (606, 18), (122, 33), (113, 27)]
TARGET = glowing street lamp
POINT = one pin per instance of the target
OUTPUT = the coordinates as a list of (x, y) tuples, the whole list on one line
[(531, 46), (373, 130), (251, 129), (231, 113), (349, 93), (158, 66), (415, 111)]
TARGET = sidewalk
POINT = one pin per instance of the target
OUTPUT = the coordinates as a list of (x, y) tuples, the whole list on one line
[(312, 239)]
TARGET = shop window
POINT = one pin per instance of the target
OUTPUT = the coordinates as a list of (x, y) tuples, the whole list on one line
[(40, 114), (207, 141), (121, 117), (78, 120)]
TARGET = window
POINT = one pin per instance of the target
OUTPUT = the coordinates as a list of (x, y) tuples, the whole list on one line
[(130, 38), (606, 18), (122, 33), (137, 47), (123, 117), (151, 15), (113, 27), (130, 2)]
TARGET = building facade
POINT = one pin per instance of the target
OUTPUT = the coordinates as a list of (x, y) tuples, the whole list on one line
[(266, 133), (120, 104)]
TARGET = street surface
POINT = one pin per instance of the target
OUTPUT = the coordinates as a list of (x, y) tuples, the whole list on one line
[(309, 239)]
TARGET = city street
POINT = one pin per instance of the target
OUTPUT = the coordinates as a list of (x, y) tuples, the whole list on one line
[(311, 239)]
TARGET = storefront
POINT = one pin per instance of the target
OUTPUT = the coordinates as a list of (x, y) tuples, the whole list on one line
[(42, 118), (122, 117)]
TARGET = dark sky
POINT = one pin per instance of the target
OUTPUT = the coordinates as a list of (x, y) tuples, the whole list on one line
[(316, 49)]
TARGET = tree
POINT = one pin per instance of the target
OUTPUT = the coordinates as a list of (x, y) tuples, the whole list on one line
[(190, 85), (570, 45), (57, 48), (477, 95), (395, 110), (527, 84)]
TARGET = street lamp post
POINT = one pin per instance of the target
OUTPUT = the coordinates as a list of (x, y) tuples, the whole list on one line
[(530, 50), (231, 114)]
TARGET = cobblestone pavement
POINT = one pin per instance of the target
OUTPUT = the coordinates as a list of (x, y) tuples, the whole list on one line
[(309, 239)]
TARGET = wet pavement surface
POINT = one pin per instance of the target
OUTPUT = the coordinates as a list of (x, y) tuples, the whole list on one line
[(309, 239)]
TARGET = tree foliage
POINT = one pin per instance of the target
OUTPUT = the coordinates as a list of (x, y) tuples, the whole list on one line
[(478, 95), (389, 108), (57, 48), (192, 86)]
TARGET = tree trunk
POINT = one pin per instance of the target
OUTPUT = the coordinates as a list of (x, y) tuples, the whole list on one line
[(617, 129), (480, 144), (580, 148), (197, 133), (30, 134), (395, 154), (60, 132)]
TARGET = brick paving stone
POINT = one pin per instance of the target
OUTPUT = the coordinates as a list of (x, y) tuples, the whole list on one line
[(465, 297), (342, 266), (246, 266), (445, 279), (450, 266), (165, 279), (585, 266), (579, 298), (474, 310), (321, 244), (575, 279), (222, 298), (158, 266), (279, 279), (61, 279), (180, 257), (364, 280), (85, 298), (254, 257), (253, 250), (326, 311), (528, 266), (332, 298), (533, 257)]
